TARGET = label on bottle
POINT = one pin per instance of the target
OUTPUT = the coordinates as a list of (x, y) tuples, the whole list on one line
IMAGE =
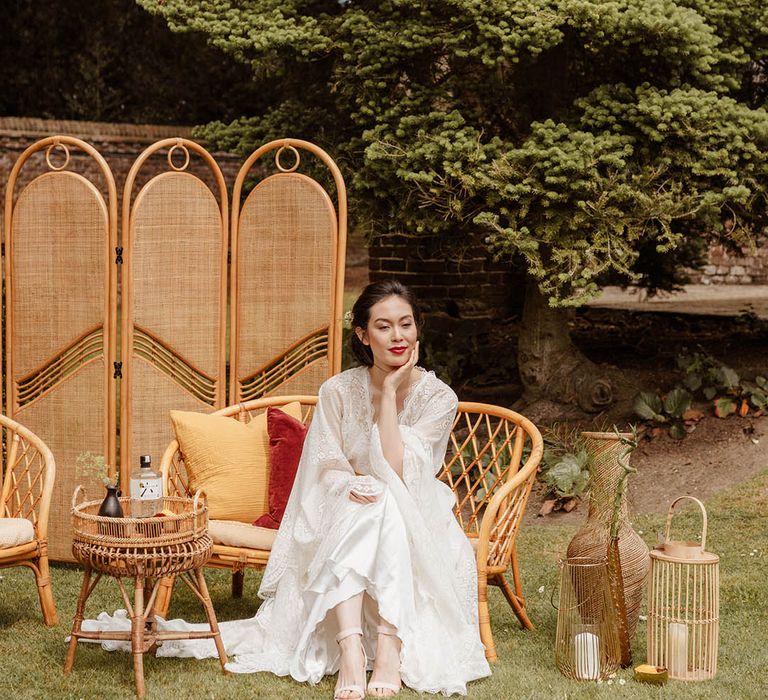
[(146, 494), (146, 488)]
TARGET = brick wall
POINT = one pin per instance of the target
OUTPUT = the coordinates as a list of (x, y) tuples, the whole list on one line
[(119, 144), (470, 289)]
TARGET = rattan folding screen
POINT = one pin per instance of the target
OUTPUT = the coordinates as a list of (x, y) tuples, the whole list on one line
[(63, 375), (60, 238), (174, 298), (286, 317)]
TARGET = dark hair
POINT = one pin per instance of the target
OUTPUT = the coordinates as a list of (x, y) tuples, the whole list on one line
[(361, 313)]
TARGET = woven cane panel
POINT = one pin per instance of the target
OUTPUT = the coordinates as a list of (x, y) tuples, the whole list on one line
[(286, 238), (155, 394), (58, 271), (176, 267), (70, 420), (305, 381)]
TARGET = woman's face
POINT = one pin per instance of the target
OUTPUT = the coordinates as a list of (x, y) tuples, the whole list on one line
[(391, 332)]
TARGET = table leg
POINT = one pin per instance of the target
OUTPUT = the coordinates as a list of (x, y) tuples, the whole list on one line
[(137, 634), (78, 621), (211, 615)]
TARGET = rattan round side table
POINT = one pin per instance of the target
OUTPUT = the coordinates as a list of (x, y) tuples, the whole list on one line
[(145, 550)]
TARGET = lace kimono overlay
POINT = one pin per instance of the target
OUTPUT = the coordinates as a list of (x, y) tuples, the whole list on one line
[(422, 574)]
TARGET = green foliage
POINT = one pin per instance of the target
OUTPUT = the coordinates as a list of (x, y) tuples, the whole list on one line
[(565, 466), (703, 373), (92, 466), (713, 381), (112, 61), (717, 381), (566, 475), (669, 410), (576, 134)]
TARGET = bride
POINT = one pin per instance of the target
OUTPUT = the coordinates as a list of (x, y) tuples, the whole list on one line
[(369, 561)]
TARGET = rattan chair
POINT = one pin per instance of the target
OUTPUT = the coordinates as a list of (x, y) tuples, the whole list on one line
[(491, 464), (26, 497)]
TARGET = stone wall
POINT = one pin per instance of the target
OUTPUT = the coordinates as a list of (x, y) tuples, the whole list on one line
[(119, 144), (726, 267)]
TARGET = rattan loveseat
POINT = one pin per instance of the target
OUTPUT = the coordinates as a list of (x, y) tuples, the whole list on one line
[(491, 463)]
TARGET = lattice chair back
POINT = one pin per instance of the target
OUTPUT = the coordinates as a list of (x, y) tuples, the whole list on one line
[(491, 463), (29, 471)]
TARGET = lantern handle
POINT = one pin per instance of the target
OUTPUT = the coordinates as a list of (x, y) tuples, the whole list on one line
[(703, 519)]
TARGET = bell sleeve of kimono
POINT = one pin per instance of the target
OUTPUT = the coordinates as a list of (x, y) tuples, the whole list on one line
[(334, 470), (424, 441)]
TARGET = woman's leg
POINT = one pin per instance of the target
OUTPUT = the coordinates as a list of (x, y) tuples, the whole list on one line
[(385, 679), (351, 683)]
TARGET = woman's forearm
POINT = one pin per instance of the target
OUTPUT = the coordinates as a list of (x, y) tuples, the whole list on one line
[(389, 431)]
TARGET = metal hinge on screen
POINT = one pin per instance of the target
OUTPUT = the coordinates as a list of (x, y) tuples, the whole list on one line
[(118, 255), (118, 370)]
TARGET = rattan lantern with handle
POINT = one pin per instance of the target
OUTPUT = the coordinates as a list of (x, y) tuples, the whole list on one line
[(684, 605)]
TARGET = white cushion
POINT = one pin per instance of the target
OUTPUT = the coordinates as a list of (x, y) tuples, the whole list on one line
[(15, 531), (234, 534)]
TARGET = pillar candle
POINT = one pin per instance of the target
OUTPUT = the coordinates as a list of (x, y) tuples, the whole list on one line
[(587, 656), (677, 649)]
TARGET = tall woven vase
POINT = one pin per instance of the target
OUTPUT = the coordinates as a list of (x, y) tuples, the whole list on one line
[(628, 556)]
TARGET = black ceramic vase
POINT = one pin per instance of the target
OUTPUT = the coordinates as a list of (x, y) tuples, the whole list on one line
[(110, 506)]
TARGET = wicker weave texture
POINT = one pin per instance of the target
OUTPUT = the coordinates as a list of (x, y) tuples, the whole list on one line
[(593, 539), (176, 252), (154, 395), (174, 299), (288, 218), (29, 472), (59, 308), (72, 415), (58, 268)]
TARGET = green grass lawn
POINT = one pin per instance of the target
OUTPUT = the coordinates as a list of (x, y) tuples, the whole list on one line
[(32, 655)]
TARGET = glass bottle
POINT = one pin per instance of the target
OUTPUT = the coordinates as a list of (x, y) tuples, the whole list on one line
[(146, 490)]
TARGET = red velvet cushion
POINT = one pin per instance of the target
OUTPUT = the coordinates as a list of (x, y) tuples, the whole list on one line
[(286, 440)]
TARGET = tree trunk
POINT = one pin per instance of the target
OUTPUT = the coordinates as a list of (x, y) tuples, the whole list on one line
[(550, 365)]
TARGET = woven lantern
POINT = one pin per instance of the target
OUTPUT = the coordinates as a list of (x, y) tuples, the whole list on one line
[(684, 605), (587, 639)]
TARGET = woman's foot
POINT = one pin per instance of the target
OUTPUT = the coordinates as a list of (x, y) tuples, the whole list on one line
[(385, 679), (351, 682)]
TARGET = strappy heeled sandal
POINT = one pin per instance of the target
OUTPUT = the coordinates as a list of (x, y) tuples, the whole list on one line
[(351, 688), (385, 685)]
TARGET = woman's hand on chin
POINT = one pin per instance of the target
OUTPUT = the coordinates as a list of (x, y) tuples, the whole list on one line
[(396, 377)]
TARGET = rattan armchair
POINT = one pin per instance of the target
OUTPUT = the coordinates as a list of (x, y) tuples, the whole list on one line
[(491, 464), (26, 496)]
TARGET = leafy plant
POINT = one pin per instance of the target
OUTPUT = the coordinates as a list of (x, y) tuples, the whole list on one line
[(669, 409), (702, 372), (721, 384), (92, 466), (565, 468), (566, 475)]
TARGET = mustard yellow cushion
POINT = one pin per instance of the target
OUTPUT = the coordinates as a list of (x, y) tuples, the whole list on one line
[(234, 534), (229, 460)]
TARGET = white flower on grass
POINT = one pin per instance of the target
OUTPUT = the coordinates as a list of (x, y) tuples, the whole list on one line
[(541, 589), (622, 681), (643, 618)]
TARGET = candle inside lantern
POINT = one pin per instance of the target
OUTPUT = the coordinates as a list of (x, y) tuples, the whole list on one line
[(677, 649), (587, 656)]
